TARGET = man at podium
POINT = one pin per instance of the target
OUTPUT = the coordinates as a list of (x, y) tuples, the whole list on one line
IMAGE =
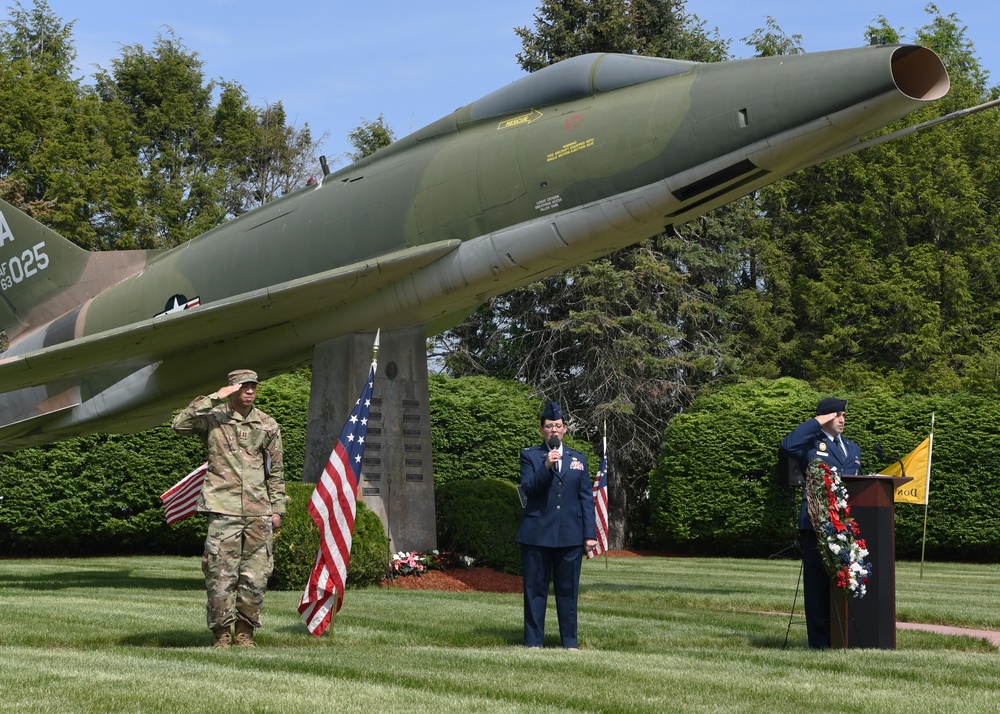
[(820, 438)]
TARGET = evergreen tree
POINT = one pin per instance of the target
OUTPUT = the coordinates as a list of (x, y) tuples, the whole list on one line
[(54, 151), (879, 266), (146, 158), (369, 137), (656, 28), (266, 156), (168, 105)]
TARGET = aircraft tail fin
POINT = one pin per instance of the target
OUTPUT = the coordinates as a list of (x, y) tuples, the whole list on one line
[(36, 264)]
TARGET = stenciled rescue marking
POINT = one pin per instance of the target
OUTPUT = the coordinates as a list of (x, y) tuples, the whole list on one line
[(570, 148), (533, 115), (547, 204), (19, 267)]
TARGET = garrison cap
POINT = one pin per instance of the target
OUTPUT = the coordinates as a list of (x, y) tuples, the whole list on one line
[(552, 412), (242, 376), (829, 405)]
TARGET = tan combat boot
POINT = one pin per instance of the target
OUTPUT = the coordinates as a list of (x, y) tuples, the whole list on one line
[(244, 634), (221, 638)]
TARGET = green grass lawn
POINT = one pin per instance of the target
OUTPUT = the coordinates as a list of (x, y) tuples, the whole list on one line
[(657, 635)]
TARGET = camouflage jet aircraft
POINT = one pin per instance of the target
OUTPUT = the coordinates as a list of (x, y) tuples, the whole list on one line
[(560, 167)]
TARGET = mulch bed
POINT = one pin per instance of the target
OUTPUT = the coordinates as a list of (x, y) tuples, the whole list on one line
[(484, 580)]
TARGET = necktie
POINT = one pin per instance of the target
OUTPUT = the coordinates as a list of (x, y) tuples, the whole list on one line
[(840, 443)]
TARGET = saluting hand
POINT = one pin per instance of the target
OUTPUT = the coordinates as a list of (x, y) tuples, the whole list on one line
[(228, 390), (825, 419)]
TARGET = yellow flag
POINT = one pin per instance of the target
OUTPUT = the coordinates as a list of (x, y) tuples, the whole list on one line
[(918, 467)]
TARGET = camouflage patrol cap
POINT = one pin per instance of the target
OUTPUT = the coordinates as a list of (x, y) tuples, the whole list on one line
[(242, 376)]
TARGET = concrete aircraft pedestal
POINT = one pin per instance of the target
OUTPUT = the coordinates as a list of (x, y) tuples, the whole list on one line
[(397, 479)]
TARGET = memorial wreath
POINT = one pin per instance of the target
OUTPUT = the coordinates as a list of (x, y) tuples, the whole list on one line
[(838, 537)]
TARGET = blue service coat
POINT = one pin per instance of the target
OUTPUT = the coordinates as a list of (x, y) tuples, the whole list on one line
[(808, 442), (560, 508)]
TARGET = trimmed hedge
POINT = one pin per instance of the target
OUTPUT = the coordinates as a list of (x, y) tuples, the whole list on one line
[(479, 518), (297, 542), (479, 426), (99, 494), (716, 490)]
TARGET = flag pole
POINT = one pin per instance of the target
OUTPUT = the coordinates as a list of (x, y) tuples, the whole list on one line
[(605, 446), (927, 496), (389, 574)]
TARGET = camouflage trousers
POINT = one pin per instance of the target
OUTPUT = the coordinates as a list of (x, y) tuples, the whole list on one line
[(237, 562)]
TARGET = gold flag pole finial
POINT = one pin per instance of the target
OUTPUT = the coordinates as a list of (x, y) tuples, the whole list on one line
[(378, 334)]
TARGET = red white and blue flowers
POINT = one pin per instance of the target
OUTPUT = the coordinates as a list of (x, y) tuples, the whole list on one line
[(841, 546)]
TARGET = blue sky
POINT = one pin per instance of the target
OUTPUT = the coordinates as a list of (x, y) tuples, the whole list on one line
[(332, 63)]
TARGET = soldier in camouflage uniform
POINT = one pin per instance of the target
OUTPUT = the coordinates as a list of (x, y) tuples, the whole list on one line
[(244, 498)]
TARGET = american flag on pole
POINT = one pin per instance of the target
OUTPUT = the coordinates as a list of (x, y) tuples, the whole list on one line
[(181, 500), (601, 504), (332, 507)]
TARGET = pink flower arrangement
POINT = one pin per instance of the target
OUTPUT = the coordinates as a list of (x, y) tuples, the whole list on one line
[(417, 563)]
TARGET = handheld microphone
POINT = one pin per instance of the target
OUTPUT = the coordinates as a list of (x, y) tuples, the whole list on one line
[(553, 443)]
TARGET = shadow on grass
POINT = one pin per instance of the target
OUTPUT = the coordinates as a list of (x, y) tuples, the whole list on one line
[(119, 578), (513, 636), (296, 628), (174, 638), (773, 642), (681, 590)]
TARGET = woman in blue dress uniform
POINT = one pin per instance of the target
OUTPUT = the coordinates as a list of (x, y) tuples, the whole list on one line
[(557, 527)]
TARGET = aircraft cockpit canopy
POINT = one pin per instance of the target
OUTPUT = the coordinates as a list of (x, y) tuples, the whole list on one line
[(575, 78)]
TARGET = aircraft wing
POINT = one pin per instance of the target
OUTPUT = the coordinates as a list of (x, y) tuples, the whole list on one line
[(142, 343)]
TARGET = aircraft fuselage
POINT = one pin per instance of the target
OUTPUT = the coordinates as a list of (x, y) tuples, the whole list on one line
[(563, 166)]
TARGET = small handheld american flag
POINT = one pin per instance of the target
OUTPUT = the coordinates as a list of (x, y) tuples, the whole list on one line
[(181, 500)]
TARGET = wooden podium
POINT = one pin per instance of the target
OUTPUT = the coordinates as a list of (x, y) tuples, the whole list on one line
[(870, 623)]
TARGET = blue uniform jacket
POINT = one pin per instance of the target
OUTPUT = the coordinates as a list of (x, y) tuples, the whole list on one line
[(808, 442), (560, 508)]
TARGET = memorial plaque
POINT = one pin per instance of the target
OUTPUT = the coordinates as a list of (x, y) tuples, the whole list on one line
[(399, 462)]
